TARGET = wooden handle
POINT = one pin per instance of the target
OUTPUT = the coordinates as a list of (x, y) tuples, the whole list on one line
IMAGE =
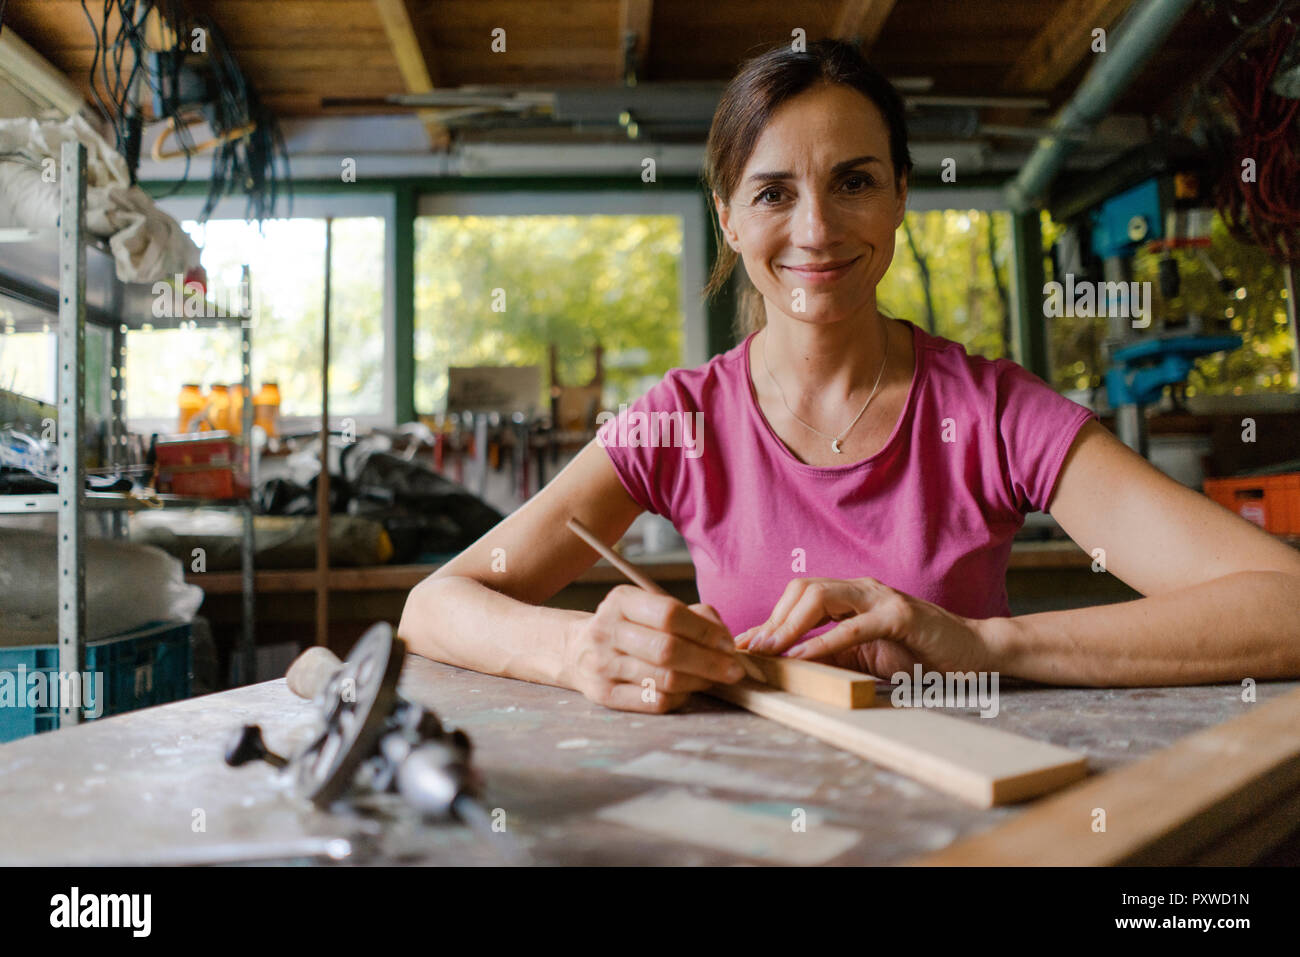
[(311, 670)]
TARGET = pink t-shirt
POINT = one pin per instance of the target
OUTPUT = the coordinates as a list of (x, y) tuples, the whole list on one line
[(978, 445)]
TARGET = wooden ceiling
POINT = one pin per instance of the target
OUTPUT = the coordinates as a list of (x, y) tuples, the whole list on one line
[(302, 54)]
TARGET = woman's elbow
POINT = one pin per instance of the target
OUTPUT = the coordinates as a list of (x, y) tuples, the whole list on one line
[(418, 613)]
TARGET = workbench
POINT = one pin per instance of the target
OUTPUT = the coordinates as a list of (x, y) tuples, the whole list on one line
[(134, 788)]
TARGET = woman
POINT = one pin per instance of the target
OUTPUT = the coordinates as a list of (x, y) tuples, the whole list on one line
[(856, 484)]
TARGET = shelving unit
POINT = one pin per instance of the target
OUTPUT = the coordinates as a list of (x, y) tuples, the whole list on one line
[(82, 291)]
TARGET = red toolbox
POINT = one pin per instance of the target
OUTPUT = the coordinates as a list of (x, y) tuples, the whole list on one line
[(203, 465), (1270, 501)]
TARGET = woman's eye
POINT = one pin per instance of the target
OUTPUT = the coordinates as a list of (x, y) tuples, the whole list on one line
[(768, 196), (858, 182)]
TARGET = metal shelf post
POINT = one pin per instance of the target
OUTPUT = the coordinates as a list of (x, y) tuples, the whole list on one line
[(72, 424), (117, 416), (248, 640)]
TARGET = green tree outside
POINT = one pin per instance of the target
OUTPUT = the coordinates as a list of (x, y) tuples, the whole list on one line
[(572, 280), (955, 245)]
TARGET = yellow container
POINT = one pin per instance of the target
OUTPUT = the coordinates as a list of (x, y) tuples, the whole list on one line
[(235, 412), (218, 413), (266, 409), (191, 403)]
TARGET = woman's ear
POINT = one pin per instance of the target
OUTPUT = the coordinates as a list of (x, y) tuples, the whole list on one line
[(901, 211), (724, 221)]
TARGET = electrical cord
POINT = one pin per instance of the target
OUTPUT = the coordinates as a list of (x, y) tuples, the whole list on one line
[(255, 163), (1266, 210)]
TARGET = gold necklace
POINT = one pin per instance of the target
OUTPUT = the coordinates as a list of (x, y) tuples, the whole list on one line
[(835, 439)]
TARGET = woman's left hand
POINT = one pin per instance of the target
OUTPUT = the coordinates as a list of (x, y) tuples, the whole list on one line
[(881, 631)]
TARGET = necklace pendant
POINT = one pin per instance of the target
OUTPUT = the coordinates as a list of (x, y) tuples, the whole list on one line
[(835, 447)]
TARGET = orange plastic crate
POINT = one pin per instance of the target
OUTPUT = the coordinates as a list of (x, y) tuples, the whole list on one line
[(1270, 501)]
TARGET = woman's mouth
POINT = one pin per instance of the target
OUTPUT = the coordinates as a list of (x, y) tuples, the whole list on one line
[(822, 272)]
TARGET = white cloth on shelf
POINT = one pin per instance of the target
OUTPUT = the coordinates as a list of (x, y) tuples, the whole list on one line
[(126, 586), (147, 244)]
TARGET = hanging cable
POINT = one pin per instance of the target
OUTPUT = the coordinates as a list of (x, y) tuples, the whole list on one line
[(1263, 208), (186, 69)]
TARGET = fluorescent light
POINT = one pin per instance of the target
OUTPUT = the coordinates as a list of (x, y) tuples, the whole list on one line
[(30, 75)]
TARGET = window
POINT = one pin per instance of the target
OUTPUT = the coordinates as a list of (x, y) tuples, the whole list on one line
[(962, 259), (28, 361), (287, 284), (501, 277), (287, 265)]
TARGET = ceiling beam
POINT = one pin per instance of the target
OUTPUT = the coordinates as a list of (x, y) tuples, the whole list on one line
[(634, 17), (862, 18), (414, 61), (1062, 44)]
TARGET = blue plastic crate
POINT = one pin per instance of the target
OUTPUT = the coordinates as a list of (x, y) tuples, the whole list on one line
[(148, 666)]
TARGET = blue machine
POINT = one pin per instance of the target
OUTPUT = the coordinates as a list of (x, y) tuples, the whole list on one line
[(1142, 367), (1140, 372), (1126, 220)]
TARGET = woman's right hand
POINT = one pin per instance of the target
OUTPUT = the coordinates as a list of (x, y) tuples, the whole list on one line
[(646, 652)]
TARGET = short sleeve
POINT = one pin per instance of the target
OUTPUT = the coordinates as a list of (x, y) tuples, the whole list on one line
[(1036, 426), (648, 467)]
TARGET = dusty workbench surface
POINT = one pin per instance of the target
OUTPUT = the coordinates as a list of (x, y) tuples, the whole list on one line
[(573, 783)]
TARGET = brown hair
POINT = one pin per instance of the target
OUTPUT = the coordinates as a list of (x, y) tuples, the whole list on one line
[(750, 99)]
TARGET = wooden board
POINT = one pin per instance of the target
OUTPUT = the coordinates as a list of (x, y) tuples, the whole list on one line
[(978, 764), (404, 577), (1159, 811), (828, 684), (1261, 834)]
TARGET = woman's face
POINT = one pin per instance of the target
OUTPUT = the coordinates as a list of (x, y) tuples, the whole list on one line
[(814, 214)]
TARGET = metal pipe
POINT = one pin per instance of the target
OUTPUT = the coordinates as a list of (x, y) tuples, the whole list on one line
[(1142, 31)]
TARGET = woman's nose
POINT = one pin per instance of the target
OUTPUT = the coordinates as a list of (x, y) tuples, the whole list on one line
[(813, 221)]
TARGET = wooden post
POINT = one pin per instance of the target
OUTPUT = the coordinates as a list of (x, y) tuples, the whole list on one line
[(323, 480)]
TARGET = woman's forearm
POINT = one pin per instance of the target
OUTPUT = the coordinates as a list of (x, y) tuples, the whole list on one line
[(465, 623), (1245, 625)]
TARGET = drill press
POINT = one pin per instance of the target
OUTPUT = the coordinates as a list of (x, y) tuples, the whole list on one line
[(1164, 214)]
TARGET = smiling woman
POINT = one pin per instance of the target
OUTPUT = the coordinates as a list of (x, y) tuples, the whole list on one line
[(744, 138), (857, 483)]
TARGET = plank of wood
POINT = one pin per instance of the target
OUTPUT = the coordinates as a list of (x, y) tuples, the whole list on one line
[(978, 764), (415, 62), (862, 18), (1162, 810), (1248, 843), (828, 684), (634, 17), (404, 577), (1062, 44)]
